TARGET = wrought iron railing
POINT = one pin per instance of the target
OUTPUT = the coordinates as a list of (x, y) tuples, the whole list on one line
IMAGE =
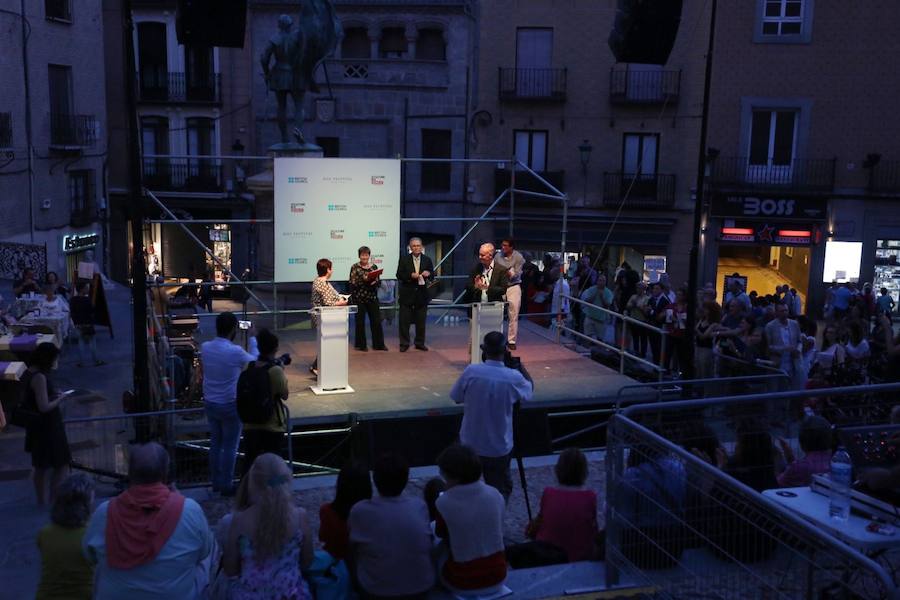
[(638, 191), (885, 177), (532, 84), (183, 174), (73, 130), (163, 86), (799, 173), (644, 87)]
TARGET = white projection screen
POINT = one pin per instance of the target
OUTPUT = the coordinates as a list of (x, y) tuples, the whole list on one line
[(328, 208)]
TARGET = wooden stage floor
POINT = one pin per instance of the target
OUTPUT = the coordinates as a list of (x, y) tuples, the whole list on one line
[(388, 382)]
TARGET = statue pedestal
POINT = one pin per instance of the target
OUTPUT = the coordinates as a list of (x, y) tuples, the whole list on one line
[(262, 186)]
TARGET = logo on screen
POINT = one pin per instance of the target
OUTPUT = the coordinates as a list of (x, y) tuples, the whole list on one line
[(297, 261), (381, 206), (337, 234), (377, 179), (298, 180), (377, 234), (337, 207), (298, 207), (378, 259)]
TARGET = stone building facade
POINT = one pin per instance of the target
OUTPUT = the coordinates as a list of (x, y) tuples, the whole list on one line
[(619, 139), (53, 132), (801, 141)]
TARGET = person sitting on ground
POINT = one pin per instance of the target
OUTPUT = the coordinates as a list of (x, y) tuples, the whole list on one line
[(568, 516), (390, 539), (353, 485), (83, 317), (470, 518), (433, 490), (150, 541), (815, 441), (65, 574), (269, 542), (260, 438)]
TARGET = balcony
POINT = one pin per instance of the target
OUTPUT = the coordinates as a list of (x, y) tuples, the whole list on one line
[(73, 131), (6, 130), (638, 191), (799, 174), (884, 177), (541, 85), (163, 87), (644, 87), (527, 182), (192, 175)]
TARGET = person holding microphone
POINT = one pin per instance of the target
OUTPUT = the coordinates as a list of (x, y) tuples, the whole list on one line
[(323, 294), (364, 280)]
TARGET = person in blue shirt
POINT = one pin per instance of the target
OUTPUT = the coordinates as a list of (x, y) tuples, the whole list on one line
[(223, 361), (488, 393)]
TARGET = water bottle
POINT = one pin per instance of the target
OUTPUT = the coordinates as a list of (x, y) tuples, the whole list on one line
[(841, 480)]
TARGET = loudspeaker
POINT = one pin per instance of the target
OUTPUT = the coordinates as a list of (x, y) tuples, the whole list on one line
[(645, 30), (211, 22)]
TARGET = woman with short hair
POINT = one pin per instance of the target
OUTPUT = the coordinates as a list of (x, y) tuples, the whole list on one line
[(364, 294), (65, 572), (323, 294)]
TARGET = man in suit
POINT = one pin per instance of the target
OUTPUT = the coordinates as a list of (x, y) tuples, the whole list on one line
[(414, 272), (656, 312), (487, 283), (783, 342)]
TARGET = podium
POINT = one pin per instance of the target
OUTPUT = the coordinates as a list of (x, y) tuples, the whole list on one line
[(486, 317), (333, 349)]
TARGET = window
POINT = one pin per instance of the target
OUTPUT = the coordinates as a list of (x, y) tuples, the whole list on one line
[(356, 43), (530, 148), (430, 45), (773, 135), (153, 64), (783, 21), (436, 143), (81, 192), (200, 131), (331, 146), (155, 141), (640, 153), (58, 10), (534, 58), (393, 42), (60, 79), (6, 130), (198, 73)]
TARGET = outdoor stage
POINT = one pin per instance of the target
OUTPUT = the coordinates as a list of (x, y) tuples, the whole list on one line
[(389, 382)]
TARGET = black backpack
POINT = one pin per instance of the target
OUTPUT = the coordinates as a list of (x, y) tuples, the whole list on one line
[(255, 404)]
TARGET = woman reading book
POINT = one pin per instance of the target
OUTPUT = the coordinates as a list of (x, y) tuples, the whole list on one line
[(364, 280)]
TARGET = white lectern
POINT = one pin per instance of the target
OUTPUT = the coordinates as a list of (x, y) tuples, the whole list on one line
[(486, 317), (333, 351)]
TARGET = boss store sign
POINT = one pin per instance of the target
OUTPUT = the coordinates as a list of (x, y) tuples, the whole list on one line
[(770, 234), (768, 207)]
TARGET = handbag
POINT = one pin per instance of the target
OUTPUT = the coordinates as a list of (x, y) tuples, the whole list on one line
[(24, 414), (328, 577)]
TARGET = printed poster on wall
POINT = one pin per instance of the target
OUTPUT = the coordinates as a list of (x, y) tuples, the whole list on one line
[(328, 208)]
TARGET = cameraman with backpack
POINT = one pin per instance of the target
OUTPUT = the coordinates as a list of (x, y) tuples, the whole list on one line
[(261, 390)]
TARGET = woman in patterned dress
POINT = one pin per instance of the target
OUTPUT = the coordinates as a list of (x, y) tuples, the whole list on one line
[(364, 294), (323, 294), (269, 542)]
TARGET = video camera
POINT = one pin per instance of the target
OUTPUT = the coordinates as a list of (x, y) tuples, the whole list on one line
[(283, 360)]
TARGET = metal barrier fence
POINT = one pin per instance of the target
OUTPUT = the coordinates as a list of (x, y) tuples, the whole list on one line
[(676, 522)]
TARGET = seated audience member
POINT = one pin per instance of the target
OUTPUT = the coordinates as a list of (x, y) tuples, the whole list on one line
[(27, 285), (390, 539), (150, 541), (815, 441), (652, 495), (568, 517), (433, 490), (53, 279), (269, 542), (353, 485), (470, 518), (65, 573), (53, 305)]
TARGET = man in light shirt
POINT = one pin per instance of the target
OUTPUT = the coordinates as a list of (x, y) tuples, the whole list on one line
[(488, 392), (510, 259), (223, 361)]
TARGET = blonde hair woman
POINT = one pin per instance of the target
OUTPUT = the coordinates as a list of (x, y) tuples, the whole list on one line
[(269, 542)]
